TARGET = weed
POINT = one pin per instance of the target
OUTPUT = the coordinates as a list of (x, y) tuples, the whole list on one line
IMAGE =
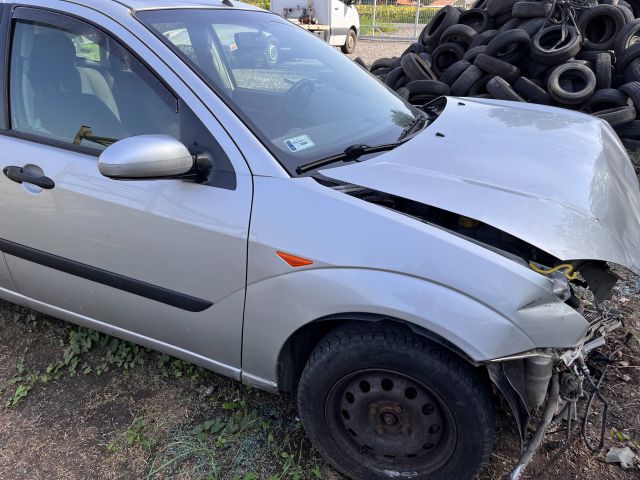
[(137, 435), (19, 394)]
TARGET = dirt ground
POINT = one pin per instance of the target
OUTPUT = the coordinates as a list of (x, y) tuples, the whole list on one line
[(75, 404)]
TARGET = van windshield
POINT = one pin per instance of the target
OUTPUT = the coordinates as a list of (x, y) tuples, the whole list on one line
[(303, 99)]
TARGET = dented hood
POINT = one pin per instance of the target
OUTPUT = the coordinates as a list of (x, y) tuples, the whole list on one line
[(557, 179)]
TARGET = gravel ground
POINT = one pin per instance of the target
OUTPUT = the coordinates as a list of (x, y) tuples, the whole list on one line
[(370, 50)]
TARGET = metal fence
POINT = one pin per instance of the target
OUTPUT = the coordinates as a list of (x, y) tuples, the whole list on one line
[(399, 19)]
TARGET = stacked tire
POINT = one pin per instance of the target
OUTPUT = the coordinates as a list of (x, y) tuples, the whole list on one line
[(529, 51)]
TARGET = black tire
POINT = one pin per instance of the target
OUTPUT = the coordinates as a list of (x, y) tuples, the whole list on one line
[(362, 379), (600, 26), (632, 89), (533, 25), (460, 34), (446, 55), (479, 88), (592, 55), (604, 100), (396, 78), (617, 116), (403, 92), (500, 89), (382, 63), (629, 35), (580, 77), (536, 71), (635, 7), (603, 71), (476, 18), (443, 19), (509, 46), (360, 62), (630, 130), (632, 72), (483, 38), (381, 72), (416, 68), (546, 50), (495, 66), (532, 92), (627, 12), (452, 73), (510, 24), (471, 54), (416, 48), (466, 81), (531, 9), (627, 57), (428, 87), (498, 7), (350, 43)]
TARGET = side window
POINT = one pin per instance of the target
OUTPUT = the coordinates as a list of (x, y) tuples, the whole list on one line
[(75, 84)]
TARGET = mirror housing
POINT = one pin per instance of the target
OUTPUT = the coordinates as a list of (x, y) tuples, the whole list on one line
[(145, 157)]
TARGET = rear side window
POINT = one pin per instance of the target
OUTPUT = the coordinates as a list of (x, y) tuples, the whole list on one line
[(74, 84)]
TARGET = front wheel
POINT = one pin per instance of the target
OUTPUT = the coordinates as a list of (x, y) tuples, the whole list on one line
[(379, 402), (350, 43)]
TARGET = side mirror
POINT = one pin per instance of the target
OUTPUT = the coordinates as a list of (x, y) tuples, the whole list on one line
[(145, 157)]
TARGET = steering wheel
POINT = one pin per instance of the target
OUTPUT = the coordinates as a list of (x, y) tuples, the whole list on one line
[(296, 97)]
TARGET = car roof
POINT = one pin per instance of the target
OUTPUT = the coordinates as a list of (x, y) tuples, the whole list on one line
[(160, 4)]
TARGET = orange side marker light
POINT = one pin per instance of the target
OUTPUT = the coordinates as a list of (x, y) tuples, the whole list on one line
[(294, 261)]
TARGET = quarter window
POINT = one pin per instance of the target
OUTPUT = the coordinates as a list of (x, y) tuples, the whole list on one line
[(76, 85)]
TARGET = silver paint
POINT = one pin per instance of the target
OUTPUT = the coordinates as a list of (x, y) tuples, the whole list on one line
[(145, 156), (556, 179)]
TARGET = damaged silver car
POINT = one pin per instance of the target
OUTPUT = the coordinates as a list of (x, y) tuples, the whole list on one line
[(299, 227)]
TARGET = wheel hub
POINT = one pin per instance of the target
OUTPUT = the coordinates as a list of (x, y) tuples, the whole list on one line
[(392, 418)]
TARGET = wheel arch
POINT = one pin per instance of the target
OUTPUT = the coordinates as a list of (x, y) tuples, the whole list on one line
[(298, 347)]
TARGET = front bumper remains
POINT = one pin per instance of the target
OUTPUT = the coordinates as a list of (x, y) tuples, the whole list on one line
[(561, 376)]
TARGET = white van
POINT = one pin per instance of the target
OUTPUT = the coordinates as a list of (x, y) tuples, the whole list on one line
[(335, 21)]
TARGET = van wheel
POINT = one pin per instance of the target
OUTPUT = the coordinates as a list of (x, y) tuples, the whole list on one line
[(380, 402), (350, 43)]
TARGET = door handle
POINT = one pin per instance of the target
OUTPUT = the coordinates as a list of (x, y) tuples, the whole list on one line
[(18, 175)]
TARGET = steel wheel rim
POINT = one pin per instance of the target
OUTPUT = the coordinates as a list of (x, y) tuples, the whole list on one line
[(350, 41), (391, 420)]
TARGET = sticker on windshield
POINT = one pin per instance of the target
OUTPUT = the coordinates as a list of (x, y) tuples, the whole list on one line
[(299, 143)]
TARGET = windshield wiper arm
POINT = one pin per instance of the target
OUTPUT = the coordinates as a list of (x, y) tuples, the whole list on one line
[(352, 152), (416, 125)]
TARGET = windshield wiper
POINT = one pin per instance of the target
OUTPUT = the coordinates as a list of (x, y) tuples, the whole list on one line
[(414, 126), (352, 152)]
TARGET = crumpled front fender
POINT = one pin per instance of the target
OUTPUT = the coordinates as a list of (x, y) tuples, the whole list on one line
[(278, 306)]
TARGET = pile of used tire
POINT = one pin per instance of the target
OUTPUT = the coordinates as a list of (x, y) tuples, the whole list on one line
[(580, 56)]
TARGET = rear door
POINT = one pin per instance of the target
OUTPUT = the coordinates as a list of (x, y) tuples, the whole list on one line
[(162, 262)]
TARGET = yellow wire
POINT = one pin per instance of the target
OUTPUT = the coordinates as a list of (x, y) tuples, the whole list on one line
[(565, 266)]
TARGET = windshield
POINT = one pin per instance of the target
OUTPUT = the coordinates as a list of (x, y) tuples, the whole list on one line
[(300, 96)]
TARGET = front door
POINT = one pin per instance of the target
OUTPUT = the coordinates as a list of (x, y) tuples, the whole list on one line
[(162, 262)]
